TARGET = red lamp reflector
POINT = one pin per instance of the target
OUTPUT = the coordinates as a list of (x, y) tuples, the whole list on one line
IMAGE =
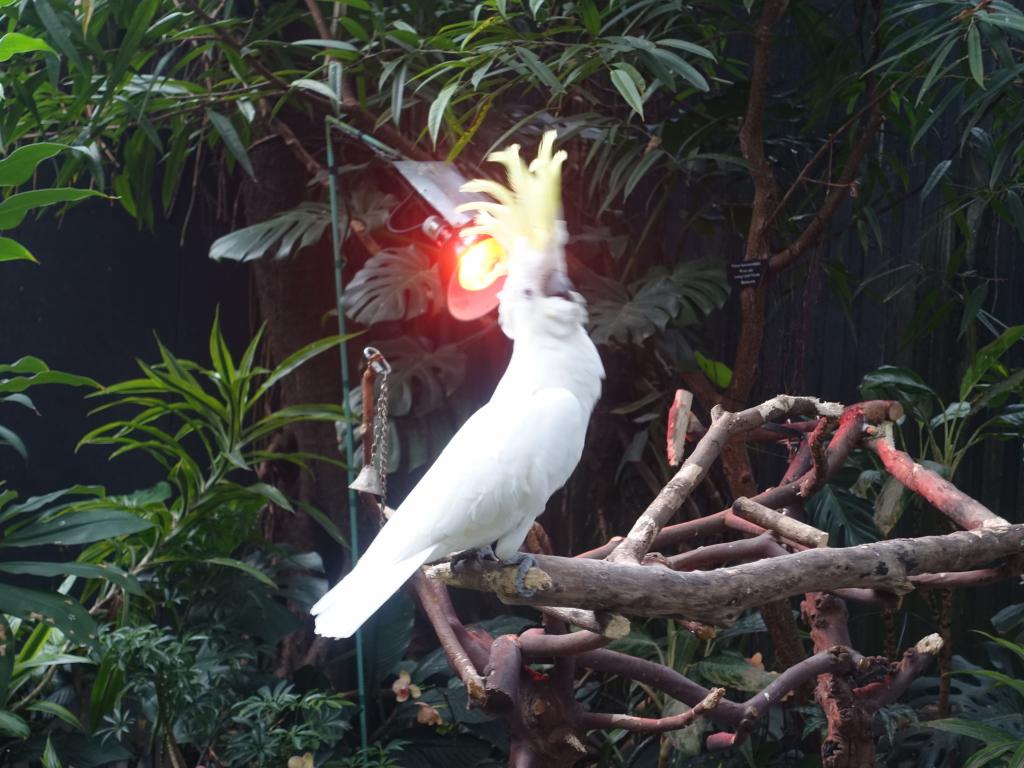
[(478, 277)]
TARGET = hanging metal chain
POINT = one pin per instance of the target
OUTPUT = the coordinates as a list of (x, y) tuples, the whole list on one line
[(379, 447)]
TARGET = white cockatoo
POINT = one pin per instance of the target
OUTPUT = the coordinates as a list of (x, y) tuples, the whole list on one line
[(499, 470)]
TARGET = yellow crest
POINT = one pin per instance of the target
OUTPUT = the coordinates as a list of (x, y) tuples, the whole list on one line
[(527, 209)]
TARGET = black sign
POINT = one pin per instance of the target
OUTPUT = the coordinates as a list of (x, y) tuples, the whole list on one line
[(746, 272)]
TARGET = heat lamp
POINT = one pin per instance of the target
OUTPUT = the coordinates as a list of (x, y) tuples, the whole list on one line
[(478, 263)]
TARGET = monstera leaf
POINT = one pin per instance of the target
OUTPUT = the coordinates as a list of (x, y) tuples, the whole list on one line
[(396, 284), (634, 313), (702, 288), (421, 374), (277, 236)]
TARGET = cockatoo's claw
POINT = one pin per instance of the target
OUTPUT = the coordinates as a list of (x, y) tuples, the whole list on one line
[(482, 554), (523, 562)]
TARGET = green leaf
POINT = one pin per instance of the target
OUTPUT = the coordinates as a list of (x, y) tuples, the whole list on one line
[(331, 45), (395, 284), (933, 72), (972, 306), (55, 709), (1015, 208), (50, 759), (953, 412), (13, 726), (34, 503), (683, 45), (14, 208), (63, 612), (974, 61), (733, 671), (398, 92), (590, 16), (934, 177), (12, 250), (990, 753), (74, 528), (50, 659), (718, 373), (848, 519), (56, 29), (86, 570), (280, 235), (14, 43), (272, 494), (683, 68), (6, 658), (437, 108), (325, 522), (318, 87), (624, 84), (232, 140), (988, 358), (297, 359), (891, 382), (107, 688), (18, 167), (256, 573), (970, 728), (539, 69), (8, 437), (432, 373)]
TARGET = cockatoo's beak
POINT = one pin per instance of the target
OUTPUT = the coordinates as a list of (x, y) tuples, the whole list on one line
[(557, 283)]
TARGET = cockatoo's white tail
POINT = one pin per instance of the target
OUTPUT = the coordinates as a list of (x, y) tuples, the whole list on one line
[(376, 577)]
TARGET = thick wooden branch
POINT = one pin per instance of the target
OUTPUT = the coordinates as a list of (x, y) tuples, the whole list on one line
[(942, 494), (914, 662), (536, 643), (741, 550), (802, 533), (719, 596), (838, 192), (849, 742), (428, 594), (592, 720), (697, 464)]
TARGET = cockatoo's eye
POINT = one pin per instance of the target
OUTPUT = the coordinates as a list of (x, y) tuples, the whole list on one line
[(528, 293)]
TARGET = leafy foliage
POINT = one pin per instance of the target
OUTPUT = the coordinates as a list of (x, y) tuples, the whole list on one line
[(276, 723), (28, 372), (279, 236), (395, 284), (623, 314), (986, 405)]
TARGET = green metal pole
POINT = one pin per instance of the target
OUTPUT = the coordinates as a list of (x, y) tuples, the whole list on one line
[(353, 521)]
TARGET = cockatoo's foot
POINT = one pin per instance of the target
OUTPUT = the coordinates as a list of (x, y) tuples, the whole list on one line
[(523, 561), (483, 555)]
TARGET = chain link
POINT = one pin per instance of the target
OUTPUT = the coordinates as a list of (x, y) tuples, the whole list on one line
[(379, 446)]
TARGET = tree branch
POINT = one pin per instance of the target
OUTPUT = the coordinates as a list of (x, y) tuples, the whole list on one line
[(942, 494), (591, 720), (718, 597), (698, 463)]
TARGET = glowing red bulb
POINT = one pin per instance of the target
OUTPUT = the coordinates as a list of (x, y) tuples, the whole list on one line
[(478, 276)]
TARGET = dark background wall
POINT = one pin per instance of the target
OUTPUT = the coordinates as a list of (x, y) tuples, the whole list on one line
[(93, 304)]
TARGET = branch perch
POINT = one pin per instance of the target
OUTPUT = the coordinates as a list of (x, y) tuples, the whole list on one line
[(718, 597)]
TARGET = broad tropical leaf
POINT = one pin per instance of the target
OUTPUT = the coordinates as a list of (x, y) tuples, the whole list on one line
[(396, 284), (279, 236), (421, 373)]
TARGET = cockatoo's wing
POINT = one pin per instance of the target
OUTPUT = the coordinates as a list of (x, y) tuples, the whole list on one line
[(488, 485)]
